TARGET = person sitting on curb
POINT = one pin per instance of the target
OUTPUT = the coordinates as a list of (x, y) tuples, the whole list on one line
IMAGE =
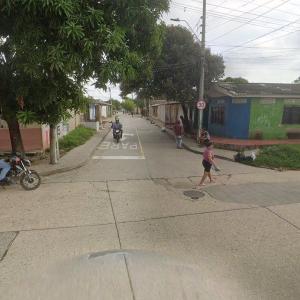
[(178, 130), (204, 136)]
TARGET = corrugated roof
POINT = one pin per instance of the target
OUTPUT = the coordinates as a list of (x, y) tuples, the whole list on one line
[(98, 101), (255, 90)]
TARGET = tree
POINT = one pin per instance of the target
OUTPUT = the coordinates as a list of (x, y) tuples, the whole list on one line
[(235, 80), (176, 72), (116, 105), (128, 105), (58, 45), (297, 80)]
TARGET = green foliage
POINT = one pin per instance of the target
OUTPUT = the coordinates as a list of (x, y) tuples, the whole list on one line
[(129, 105), (297, 80), (176, 72), (27, 117), (235, 80), (279, 156), (139, 103), (76, 138), (49, 49), (116, 105)]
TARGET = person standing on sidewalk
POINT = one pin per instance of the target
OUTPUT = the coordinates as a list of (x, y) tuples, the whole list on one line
[(178, 130), (208, 162)]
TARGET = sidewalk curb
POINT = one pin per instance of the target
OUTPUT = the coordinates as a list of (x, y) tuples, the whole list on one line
[(190, 149), (77, 166), (201, 152)]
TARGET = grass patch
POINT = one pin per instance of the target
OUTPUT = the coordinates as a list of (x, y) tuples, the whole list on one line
[(75, 138), (279, 157)]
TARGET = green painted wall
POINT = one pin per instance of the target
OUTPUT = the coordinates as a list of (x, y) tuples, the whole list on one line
[(267, 119)]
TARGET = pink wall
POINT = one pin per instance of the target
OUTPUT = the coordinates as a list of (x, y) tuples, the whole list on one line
[(32, 139)]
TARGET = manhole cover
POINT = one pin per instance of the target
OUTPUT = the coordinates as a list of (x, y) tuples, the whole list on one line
[(194, 194)]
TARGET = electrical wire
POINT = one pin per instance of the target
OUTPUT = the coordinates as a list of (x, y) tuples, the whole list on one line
[(262, 36), (245, 4), (238, 27), (197, 8)]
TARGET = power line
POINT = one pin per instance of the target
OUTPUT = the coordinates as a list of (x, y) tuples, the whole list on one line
[(245, 4), (244, 20), (238, 19), (231, 9), (255, 47), (279, 10), (263, 35), (238, 27), (279, 37)]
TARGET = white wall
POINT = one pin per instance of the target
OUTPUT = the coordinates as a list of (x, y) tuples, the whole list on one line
[(161, 113), (104, 111), (93, 125)]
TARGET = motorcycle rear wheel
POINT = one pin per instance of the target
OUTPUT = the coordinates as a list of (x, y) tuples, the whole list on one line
[(30, 182)]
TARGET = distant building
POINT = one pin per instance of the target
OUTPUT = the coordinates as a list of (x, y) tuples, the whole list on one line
[(254, 110), (97, 113), (165, 113)]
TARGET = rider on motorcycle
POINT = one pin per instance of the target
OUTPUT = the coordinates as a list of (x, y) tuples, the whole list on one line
[(4, 169), (117, 126)]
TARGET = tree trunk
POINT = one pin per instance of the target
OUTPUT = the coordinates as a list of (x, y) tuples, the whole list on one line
[(15, 135), (53, 144)]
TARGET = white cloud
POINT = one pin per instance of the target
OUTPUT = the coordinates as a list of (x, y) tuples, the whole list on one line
[(112, 91), (237, 22)]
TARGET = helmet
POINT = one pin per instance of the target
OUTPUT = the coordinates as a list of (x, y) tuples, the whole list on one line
[(117, 119)]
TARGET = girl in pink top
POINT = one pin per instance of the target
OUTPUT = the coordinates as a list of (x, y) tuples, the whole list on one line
[(208, 162)]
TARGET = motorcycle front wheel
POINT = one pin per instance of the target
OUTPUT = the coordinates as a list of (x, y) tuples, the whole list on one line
[(30, 181)]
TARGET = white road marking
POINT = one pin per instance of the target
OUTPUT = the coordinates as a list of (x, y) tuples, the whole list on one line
[(119, 157), (133, 147), (125, 146), (115, 146)]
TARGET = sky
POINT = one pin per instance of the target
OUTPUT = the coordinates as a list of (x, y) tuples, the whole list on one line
[(258, 39)]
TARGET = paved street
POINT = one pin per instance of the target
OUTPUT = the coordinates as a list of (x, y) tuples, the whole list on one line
[(121, 228)]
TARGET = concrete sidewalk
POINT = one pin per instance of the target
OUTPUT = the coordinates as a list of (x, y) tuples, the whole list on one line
[(74, 159), (191, 145)]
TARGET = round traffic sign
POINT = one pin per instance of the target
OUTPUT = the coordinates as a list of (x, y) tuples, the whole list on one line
[(201, 104)]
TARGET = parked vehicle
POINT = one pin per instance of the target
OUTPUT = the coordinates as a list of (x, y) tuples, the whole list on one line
[(20, 171)]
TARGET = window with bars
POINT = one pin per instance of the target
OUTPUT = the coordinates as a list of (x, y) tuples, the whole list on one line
[(291, 115), (217, 115)]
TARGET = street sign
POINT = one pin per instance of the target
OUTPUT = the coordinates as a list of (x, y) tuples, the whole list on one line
[(201, 104)]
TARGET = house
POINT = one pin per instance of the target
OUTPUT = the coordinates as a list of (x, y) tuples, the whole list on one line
[(97, 113), (165, 113), (254, 110), (36, 138)]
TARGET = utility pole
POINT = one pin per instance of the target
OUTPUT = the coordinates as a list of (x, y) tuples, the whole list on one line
[(110, 100), (202, 68)]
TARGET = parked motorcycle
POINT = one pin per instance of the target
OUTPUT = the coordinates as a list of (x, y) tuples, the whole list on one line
[(20, 171), (117, 135)]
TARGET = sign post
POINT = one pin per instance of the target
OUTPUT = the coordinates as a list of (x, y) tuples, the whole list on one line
[(201, 104)]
